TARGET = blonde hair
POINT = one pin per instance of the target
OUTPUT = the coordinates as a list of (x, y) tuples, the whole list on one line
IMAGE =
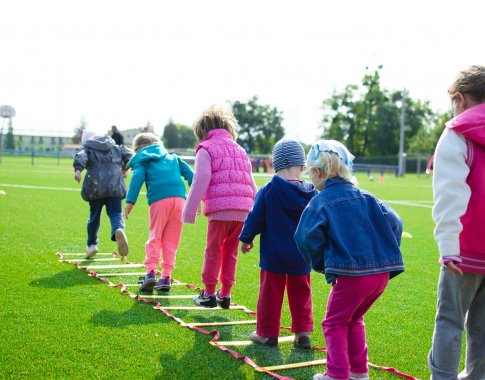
[(331, 165), (145, 139), (470, 81), (214, 118)]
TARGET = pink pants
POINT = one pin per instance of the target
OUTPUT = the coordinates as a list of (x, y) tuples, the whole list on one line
[(343, 327), (270, 301), (164, 236), (220, 256)]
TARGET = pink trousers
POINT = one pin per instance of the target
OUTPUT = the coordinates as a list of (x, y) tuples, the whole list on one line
[(164, 235), (343, 327), (220, 256), (270, 302)]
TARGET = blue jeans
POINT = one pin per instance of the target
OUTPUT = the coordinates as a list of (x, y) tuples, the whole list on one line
[(113, 209)]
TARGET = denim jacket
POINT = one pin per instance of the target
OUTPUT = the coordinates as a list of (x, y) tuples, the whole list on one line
[(347, 231)]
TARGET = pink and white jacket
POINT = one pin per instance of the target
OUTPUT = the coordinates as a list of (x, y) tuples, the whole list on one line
[(459, 190), (222, 179)]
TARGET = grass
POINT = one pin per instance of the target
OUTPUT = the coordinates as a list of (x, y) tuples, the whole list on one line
[(57, 322)]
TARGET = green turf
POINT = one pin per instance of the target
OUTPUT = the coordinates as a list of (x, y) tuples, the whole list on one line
[(57, 322)]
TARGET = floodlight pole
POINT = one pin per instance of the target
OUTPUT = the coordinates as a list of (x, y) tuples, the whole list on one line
[(402, 155)]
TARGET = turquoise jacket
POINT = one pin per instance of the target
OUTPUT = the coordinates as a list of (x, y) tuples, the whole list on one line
[(161, 172)]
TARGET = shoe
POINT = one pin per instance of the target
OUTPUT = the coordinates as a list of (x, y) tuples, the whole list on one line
[(223, 302), (258, 339), (359, 376), (164, 284), (122, 241), (322, 376), (148, 282), (209, 301), (91, 251), (302, 340)]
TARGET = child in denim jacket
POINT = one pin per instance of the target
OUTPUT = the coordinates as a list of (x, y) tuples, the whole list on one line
[(353, 238)]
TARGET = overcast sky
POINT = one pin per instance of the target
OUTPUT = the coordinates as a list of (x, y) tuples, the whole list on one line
[(126, 62)]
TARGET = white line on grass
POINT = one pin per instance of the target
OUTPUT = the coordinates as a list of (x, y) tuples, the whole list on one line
[(398, 202)]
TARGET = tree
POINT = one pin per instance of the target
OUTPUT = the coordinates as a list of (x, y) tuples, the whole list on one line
[(367, 118), (78, 131), (9, 140), (259, 125), (178, 136)]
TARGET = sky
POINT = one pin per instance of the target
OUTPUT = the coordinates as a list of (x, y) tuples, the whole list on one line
[(128, 62)]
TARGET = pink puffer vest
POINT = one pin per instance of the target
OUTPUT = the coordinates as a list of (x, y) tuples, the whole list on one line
[(230, 185)]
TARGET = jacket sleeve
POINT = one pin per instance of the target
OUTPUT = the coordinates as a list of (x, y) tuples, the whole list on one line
[(136, 183), (186, 171), (450, 191), (80, 160), (255, 222), (393, 219), (200, 184), (310, 238), (126, 154)]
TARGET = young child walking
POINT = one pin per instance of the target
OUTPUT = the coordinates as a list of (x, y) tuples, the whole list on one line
[(223, 180), (353, 238), (459, 215), (161, 172), (103, 185), (275, 215)]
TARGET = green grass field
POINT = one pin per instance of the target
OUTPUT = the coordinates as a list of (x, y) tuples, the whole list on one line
[(57, 322)]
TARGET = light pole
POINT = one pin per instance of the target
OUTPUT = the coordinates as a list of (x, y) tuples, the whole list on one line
[(402, 155)]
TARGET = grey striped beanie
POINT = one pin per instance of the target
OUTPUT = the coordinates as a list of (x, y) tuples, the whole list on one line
[(288, 153)]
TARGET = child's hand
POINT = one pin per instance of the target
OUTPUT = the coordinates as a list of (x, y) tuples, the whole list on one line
[(128, 208), (453, 269), (246, 247), (77, 176), (199, 209)]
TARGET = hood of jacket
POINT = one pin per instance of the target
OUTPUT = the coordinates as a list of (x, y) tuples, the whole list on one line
[(470, 124), (102, 143), (153, 152), (293, 195)]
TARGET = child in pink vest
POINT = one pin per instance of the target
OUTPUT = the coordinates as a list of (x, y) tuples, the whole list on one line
[(223, 180)]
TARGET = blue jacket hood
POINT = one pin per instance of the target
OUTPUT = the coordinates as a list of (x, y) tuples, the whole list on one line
[(103, 143), (293, 195), (153, 152)]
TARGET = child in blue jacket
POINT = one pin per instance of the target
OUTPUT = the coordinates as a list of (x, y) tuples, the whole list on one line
[(161, 172), (275, 215), (353, 238)]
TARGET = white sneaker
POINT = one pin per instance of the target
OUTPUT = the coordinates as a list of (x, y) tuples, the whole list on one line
[(122, 241), (359, 376), (91, 251)]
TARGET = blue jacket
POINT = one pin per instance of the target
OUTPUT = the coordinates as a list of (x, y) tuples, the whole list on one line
[(346, 230), (275, 214), (161, 172)]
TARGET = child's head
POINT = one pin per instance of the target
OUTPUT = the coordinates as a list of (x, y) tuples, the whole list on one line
[(145, 139), (327, 159), (214, 118), (468, 89), (89, 134), (288, 153)]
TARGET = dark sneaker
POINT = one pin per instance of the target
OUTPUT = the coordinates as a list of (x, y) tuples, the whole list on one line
[(148, 282), (258, 339), (164, 284), (302, 340), (223, 302), (122, 241), (209, 301)]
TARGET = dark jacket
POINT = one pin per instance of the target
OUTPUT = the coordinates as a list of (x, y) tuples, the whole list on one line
[(345, 230), (103, 161), (277, 209)]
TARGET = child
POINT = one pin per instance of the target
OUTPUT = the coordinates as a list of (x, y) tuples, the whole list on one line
[(459, 214), (103, 185), (161, 172), (353, 238), (224, 181), (275, 215)]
